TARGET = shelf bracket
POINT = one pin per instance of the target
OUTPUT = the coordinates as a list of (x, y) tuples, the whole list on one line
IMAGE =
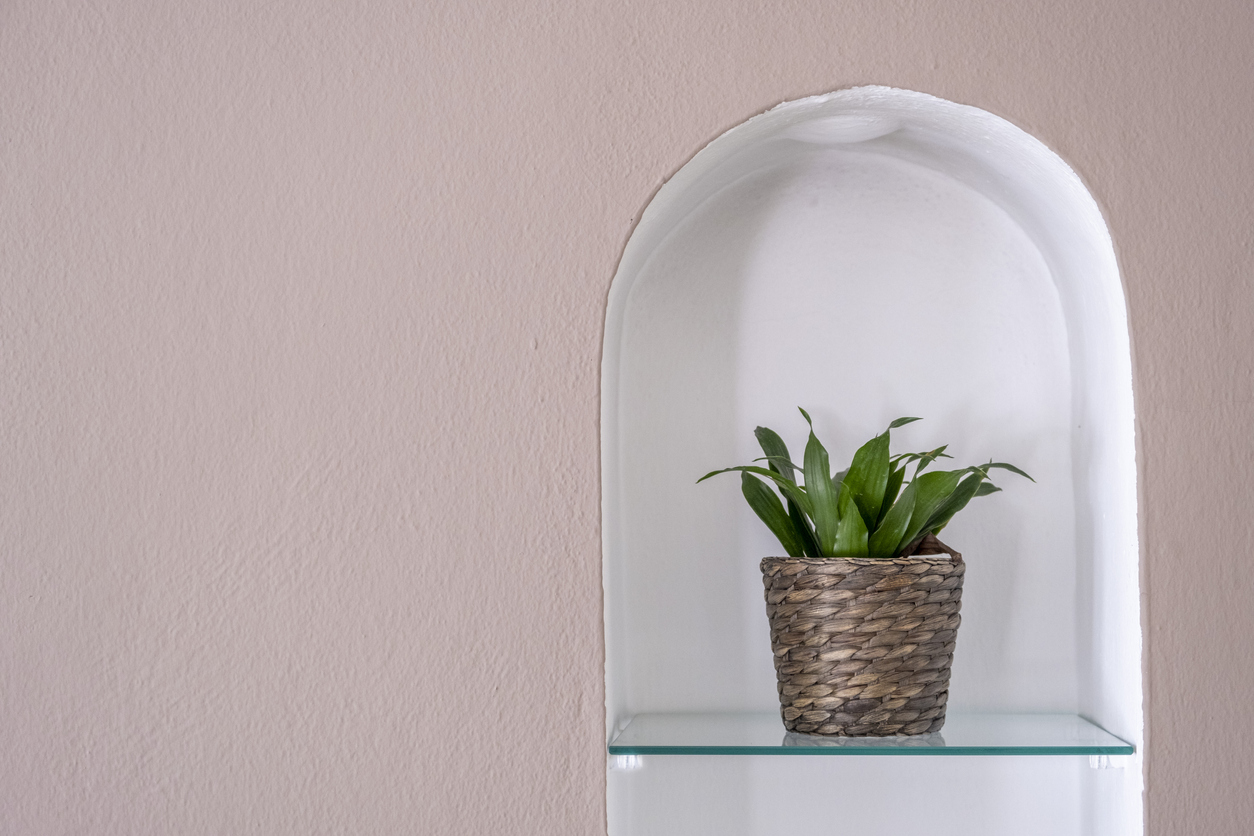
[(626, 763), (1108, 761)]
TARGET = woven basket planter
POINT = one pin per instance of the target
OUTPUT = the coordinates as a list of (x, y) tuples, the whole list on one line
[(863, 646)]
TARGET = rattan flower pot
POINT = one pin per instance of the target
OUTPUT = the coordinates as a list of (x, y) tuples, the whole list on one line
[(863, 646)]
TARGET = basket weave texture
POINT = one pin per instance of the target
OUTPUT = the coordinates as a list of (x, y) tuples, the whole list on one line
[(863, 646)]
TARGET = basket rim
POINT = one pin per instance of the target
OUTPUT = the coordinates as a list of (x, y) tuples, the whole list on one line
[(865, 561)]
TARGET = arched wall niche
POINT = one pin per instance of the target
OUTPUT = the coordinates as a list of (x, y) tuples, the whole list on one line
[(868, 254)]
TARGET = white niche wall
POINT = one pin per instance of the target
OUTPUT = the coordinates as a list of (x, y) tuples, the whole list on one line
[(869, 254)]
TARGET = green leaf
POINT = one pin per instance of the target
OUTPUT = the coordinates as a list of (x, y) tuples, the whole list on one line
[(776, 451), (802, 523), (887, 538), (868, 508), (867, 478), (789, 488), (931, 490), (820, 492), (930, 456), (851, 538), (780, 461), (1005, 466), (954, 503), (762, 471), (895, 477), (780, 464), (984, 489), (770, 510), (927, 458)]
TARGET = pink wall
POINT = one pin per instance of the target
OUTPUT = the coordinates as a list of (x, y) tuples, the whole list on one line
[(301, 315)]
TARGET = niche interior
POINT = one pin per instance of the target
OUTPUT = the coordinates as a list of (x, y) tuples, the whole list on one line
[(869, 254)]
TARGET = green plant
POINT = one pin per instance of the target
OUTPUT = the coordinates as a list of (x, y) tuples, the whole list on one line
[(866, 510)]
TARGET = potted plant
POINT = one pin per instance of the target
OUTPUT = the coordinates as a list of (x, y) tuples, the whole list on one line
[(864, 609)]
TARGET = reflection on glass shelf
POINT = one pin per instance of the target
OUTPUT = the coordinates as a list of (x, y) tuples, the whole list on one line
[(963, 734)]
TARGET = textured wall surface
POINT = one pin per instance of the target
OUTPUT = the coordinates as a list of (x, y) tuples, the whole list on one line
[(300, 318)]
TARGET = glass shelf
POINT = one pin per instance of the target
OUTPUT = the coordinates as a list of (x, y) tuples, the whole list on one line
[(963, 734)]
